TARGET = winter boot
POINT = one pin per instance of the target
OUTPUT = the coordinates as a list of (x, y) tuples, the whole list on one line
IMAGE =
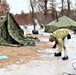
[(57, 54), (65, 58)]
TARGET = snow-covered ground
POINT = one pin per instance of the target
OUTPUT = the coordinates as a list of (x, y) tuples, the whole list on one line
[(29, 28), (49, 65)]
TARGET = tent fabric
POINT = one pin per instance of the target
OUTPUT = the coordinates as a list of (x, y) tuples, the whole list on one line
[(63, 22), (11, 34)]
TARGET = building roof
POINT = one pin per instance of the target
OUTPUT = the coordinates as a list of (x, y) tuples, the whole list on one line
[(63, 22)]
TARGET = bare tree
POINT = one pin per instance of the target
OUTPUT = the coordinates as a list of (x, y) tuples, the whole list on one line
[(43, 5), (68, 11), (45, 12), (53, 9), (62, 6), (68, 2), (32, 7)]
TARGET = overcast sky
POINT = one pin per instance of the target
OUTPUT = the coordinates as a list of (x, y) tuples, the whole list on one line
[(18, 5)]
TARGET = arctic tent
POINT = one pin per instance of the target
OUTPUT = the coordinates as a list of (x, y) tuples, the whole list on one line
[(11, 34), (63, 22)]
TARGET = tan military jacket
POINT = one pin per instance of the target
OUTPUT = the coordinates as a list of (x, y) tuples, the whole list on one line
[(59, 35)]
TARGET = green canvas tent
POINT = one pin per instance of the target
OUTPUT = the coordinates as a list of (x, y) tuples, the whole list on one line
[(63, 22), (11, 34)]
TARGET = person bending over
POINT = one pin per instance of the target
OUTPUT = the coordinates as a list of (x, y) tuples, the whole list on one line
[(60, 36)]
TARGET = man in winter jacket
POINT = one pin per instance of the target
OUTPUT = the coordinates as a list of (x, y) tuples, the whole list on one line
[(60, 37)]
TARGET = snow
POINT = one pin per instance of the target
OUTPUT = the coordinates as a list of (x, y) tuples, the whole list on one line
[(29, 28), (49, 65)]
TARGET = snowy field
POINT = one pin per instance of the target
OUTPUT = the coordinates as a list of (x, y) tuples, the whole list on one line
[(49, 65)]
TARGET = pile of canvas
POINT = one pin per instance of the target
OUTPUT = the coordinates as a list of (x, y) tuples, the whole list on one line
[(11, 34)]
